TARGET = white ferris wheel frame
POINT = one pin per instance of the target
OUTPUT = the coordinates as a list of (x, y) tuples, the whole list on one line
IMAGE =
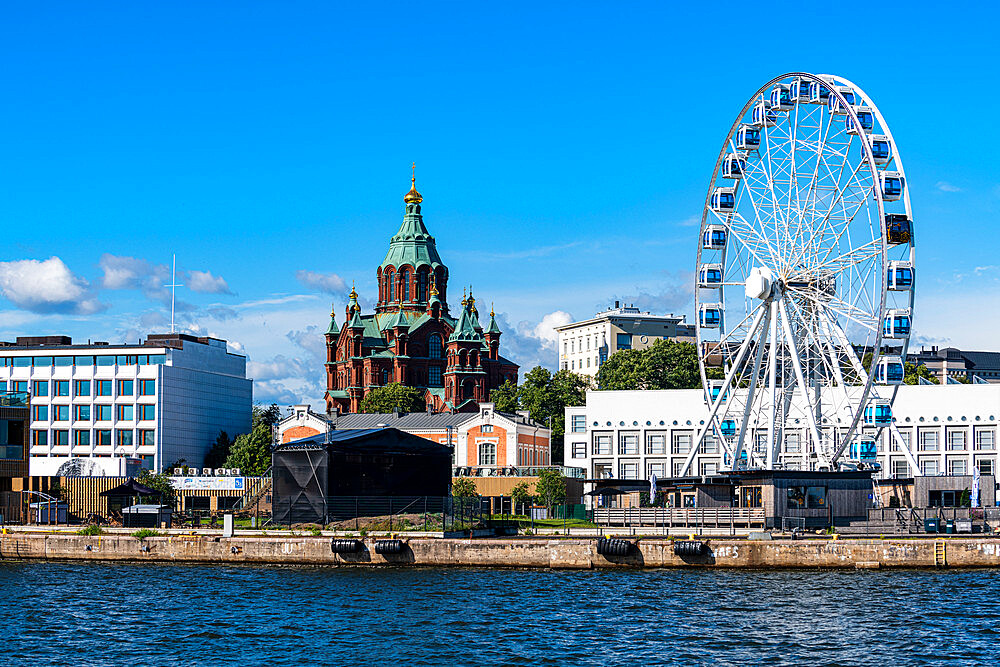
[(765, 316)]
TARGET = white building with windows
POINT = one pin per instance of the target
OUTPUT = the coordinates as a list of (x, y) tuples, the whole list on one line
[(100, 409), (945, 430), (585, 346)]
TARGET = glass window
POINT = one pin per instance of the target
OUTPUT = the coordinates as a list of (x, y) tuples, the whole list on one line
[(579, 423), (658, 468), (81, 438), (83, 387), (82, 413), (147, 438), (157, 359), (148, 413), (485, 428), (900, 468), (103, 387), (628, 443), (63, 361), (487, 454), (929, 467), (656, 443), (60, 438), (126, 388), (624, 341), (40, 388), (958, 466), (40, 438), (147, 387), (103, 438), (579, 450), (61, 388), (105, 360), (83, 361), (678, 468), (956, 438), (41, 413), (806, 497), (602, 444), (682, 443), (42, 362), (928, 440), (985, 437), (123, 438), (709, 468), (629, 470), (60, 413), (3, 385), (793, 442), (433, 377), (985, 466), (22, 362), (20, 386), (103, 413), (125, 413)]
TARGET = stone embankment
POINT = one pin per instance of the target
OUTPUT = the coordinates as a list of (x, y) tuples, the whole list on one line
[(528, 552)]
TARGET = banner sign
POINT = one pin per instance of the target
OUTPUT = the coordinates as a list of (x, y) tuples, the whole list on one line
[(209, 483)]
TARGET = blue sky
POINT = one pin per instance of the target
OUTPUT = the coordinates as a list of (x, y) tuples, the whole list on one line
[(563, 152)]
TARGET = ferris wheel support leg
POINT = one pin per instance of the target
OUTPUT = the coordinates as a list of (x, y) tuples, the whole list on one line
[(772, 354), (758, 355), (898, 437), (862, 374), (722, 392), (797, 365)]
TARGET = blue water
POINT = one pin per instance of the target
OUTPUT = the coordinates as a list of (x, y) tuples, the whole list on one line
[(102, 614)]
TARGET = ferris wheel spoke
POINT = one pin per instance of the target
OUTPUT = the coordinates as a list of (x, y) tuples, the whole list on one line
[(772, 386), (758, 354), (799, 377)]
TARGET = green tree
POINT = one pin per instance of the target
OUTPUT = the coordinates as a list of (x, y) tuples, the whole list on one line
[(159, 482), (666, 364), (219, 452), (913, 372), (520, 494), (251, 452), (504, 397), (551, 488), (463, 487), (393, 395), (544, 396)]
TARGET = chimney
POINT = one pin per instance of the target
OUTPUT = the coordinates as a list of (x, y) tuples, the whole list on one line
[(616, 304)]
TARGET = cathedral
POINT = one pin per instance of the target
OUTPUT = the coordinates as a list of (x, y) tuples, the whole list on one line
[(412, 337)]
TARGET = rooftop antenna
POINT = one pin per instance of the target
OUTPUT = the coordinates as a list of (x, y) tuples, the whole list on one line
[(173, 291)]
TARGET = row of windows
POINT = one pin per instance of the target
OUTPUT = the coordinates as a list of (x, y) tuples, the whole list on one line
[(101, 413), (662, 469), (100, 437), (57, 388), (86, 360), (573, 343), (656, 443), (932, 466)]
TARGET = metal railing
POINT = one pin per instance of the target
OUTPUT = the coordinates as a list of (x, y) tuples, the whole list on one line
[(681, 517), (515, 471)]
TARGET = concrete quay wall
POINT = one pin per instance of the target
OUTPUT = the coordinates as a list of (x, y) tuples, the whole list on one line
[(511, 552)]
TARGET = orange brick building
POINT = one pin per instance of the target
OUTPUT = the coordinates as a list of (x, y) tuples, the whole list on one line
[(483, 440), (412, 338)]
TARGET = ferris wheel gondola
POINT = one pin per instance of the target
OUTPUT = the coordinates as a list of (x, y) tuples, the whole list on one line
[(805, 275)]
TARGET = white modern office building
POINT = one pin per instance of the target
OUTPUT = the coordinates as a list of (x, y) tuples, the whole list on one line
[(585, 346), (944, 430), (100, 409)]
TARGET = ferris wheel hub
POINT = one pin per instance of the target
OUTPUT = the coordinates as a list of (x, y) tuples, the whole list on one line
[(760, 283)]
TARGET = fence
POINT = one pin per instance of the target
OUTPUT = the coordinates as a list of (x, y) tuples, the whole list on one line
[(681, 517)]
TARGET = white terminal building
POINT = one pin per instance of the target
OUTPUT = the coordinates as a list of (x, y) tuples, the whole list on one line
[(585, 346), (943, 430), (100, 409)]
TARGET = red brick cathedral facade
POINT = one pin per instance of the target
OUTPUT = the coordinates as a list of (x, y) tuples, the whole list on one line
[(412, 337)]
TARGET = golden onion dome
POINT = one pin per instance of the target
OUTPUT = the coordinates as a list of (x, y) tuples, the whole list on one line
[(413, 197)]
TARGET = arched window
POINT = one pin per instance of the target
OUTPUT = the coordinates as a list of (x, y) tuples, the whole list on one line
[(385, 376), (473, 358), (468, 389), (461, 357), (404, 277), (434, 346), (392, 285), (422, 285)]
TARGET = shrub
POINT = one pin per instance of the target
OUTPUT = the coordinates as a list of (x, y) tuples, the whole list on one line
[(143, 533), (90, 530)]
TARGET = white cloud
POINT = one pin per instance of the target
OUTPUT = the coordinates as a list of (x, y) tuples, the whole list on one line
[(134, 273), (204, 282), (47, 287), (673, 296), (691, 221), (545, 331), (945, 186), (330, 283)]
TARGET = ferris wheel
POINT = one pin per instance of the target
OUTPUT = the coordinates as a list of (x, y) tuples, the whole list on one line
[(805, 276)]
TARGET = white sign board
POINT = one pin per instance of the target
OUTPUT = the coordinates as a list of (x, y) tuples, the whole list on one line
[(209, 483)]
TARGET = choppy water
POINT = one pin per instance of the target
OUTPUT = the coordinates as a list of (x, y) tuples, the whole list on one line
[(102, 614)]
